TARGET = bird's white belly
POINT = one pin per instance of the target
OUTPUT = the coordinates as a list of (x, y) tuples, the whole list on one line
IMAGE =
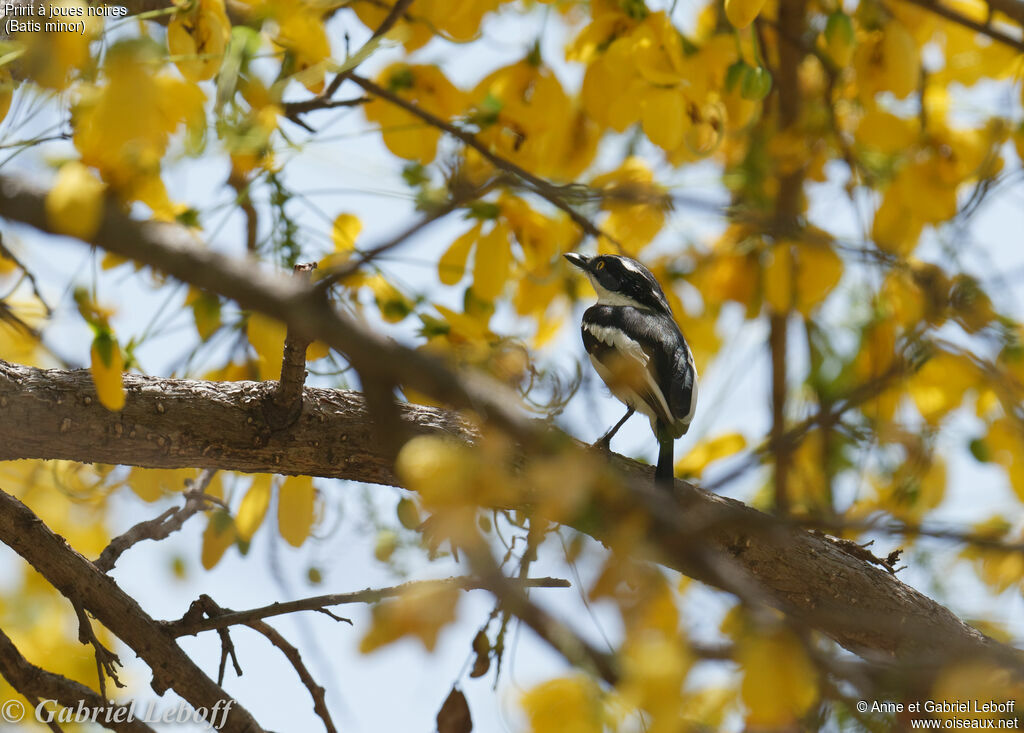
[(622, 392)]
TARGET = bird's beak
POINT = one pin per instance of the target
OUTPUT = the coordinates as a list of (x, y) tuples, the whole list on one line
[(580, 261)]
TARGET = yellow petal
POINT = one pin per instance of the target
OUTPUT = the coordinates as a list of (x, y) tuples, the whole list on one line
[(709, 451), (422, 612), (565, 705), (205, 311), (107, 367), (149, 484), (254, 505), (777, 280), (74, 206), (664, 117), (819, 269), (267, 336), (344, 232), (741, 13), (295, 509), (779, 682), (452, 265), (218, 536), (492, 263)]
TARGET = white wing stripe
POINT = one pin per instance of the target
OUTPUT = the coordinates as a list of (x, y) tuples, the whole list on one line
[(628, 347)]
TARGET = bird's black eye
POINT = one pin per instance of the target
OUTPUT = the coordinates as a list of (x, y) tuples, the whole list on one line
[(599, 265)]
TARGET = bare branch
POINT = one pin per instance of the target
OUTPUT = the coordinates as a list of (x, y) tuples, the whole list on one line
[(555, 195), (801, 574), (106, 661), (159, 527), (460, 197), (189, 624), (37, 684), (6, 252), (985, 29), (82, 583), (316, 691)]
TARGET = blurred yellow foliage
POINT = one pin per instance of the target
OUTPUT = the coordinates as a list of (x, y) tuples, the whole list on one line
[(422, 611)]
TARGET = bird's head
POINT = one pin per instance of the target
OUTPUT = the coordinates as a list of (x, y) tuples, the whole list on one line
[(622, 281)]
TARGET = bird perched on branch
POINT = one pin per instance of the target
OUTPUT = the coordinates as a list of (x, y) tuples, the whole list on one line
[(638, 350)]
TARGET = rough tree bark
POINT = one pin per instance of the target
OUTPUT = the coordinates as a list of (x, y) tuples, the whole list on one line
[(52, 414), (80, 581)]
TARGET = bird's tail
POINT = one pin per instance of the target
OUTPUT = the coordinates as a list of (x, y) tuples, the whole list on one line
[(665, 471)]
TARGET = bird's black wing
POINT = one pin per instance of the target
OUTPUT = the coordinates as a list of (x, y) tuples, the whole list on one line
[(671, 360)]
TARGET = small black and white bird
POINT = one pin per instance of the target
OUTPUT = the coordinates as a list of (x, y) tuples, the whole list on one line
[(639, 351)]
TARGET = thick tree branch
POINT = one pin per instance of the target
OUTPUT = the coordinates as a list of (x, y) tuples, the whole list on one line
[(176, 423), (217, 425), (38, 685), (810, 577), (177, 252), (82, 583)]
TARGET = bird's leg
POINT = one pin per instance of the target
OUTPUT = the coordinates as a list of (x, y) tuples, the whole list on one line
[(664, 472), (605, 441)]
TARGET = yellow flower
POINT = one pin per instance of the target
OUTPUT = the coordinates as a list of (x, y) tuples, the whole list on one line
[(887, 60), (741, 13), (74, 206), (404, 134), (107, 368), (296, 505), (566, 705), (199, 36), (301, 32), (422, 612), (51, 59), (526, 116), (122, 127), (636, 205)]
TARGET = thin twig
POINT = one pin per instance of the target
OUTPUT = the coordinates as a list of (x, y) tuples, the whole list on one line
[(561, 637), (189, 624), (159, 527), (36, 683), (292, 110), (7, 253), (909, 529), (316, 691), (545, 189), (960, 19), (106, 661), (794, 435), (460, 196)]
